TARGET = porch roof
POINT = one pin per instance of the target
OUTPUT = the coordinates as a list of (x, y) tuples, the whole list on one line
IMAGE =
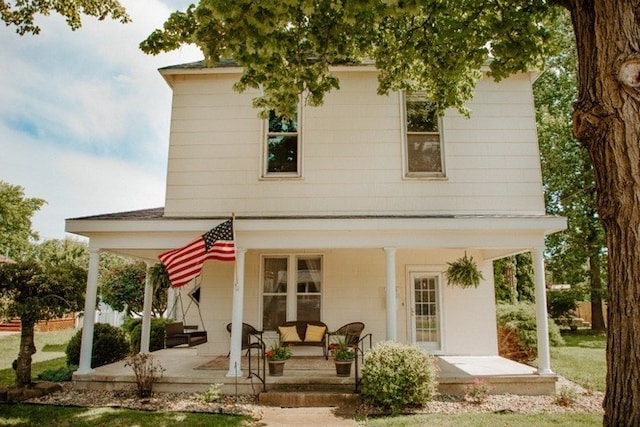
[(148, 232)]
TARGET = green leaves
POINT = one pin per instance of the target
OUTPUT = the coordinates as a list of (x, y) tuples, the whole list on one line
[(16, 211), (21, 14), (39, 291), (463, 272), (287, 47)]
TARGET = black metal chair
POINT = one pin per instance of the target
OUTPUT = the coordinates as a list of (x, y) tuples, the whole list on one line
[(247, 332)]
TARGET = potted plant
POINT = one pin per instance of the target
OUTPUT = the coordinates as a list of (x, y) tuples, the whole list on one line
[(277, 355), (343, 355), (463, 272)]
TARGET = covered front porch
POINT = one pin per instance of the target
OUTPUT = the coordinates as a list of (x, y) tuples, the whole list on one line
[(186, 371)]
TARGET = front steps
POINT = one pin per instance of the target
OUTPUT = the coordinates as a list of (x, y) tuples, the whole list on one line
[(308, 399)]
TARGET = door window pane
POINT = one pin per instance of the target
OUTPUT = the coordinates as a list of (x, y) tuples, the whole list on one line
[(426, 309)]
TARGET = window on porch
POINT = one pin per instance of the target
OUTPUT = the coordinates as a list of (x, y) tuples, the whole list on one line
[(281, 302)]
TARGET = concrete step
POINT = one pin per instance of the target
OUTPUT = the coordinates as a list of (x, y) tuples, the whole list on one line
[(308, 399)]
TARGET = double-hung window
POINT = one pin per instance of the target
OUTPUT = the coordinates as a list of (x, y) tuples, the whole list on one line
[(282, 147), (282, 301), (423, 149)]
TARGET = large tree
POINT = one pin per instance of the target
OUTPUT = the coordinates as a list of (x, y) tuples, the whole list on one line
[(286, 47), (578, 254), (22, 14), (16, 211)]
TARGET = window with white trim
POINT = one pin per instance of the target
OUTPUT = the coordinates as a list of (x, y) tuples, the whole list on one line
[(282, 147), (423, 145), (281, 302)]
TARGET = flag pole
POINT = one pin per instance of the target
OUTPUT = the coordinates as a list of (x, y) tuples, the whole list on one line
[(236, 313), (235, 261)]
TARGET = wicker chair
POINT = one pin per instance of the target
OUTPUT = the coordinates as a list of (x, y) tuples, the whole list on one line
[(247, 331), (351, 332)]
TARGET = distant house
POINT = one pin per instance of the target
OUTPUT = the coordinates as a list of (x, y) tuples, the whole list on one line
[(350, 212)]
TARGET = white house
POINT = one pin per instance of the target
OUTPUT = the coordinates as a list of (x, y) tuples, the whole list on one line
[(349, 213)]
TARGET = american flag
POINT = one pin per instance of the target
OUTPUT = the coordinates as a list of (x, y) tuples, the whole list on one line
[(184, 264)]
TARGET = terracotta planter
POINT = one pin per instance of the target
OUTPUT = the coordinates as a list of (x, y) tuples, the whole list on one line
[(343, 367), (276, 368)]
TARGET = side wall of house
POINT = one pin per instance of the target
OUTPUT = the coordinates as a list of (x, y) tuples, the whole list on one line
[(354, 290), (352, 154)]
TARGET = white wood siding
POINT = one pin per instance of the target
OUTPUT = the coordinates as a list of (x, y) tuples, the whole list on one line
[(352, 154), (354, 290)]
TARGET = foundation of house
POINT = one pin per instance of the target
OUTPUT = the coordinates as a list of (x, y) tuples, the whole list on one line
[(185, 371)]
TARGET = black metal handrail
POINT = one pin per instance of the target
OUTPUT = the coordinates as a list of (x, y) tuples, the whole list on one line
[(360, 351), (261, 357)]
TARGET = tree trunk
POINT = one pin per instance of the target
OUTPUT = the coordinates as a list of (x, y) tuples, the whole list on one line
[(27, 348), (597, 318), (607, 122)]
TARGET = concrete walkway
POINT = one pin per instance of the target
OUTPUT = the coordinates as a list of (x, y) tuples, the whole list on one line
[(284, 417)]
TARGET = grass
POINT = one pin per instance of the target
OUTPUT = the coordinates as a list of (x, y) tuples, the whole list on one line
[(50, 354), (49, 345), (488, 420), (582, 359), (31, 415), (8, 376)]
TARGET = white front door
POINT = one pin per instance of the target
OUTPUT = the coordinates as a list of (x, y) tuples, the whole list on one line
[(426, 327)]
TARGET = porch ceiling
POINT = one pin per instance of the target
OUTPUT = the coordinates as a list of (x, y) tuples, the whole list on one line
[(145, 234)]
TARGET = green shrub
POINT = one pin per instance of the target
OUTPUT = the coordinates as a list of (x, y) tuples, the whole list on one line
[(561, 304), (521, 317), (156, 338), (63, 373), (213, 394), (110, 344), (396, 376)]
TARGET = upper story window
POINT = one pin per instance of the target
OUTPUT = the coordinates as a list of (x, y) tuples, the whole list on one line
[(424, 154), (282, 147)]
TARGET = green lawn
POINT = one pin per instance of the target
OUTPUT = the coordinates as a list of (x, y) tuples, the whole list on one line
[(488, 420), (33, 415), (49, 345), (582, 359)]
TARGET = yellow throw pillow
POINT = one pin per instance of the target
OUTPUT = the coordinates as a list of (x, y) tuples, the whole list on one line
[(288, 334), (314, 333)]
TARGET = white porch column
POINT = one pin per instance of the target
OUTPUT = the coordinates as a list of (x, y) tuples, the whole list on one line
[(236, 317), (146, 311), (88, 320), (544, 358), (392, 321)]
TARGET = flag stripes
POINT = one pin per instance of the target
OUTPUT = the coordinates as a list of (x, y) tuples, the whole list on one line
[(185, 263)]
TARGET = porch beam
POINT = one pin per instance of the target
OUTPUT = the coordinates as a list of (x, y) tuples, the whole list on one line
[(88, 320), (391, 300), (236, 316), (542, 325), (146, 311)]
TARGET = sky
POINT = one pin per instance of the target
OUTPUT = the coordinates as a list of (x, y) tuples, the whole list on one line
[(84, 115)]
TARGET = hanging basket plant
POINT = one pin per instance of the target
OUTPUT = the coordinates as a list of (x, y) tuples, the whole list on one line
[(463, 272)]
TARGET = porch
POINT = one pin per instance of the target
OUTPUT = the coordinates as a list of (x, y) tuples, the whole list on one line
[(185, 371)]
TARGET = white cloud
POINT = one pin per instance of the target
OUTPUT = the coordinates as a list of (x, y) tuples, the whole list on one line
[(84, 122)]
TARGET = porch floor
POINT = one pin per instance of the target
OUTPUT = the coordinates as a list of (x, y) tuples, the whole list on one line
[(185, 371)]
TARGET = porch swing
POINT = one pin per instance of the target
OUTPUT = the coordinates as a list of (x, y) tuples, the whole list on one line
[(177, 333)]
